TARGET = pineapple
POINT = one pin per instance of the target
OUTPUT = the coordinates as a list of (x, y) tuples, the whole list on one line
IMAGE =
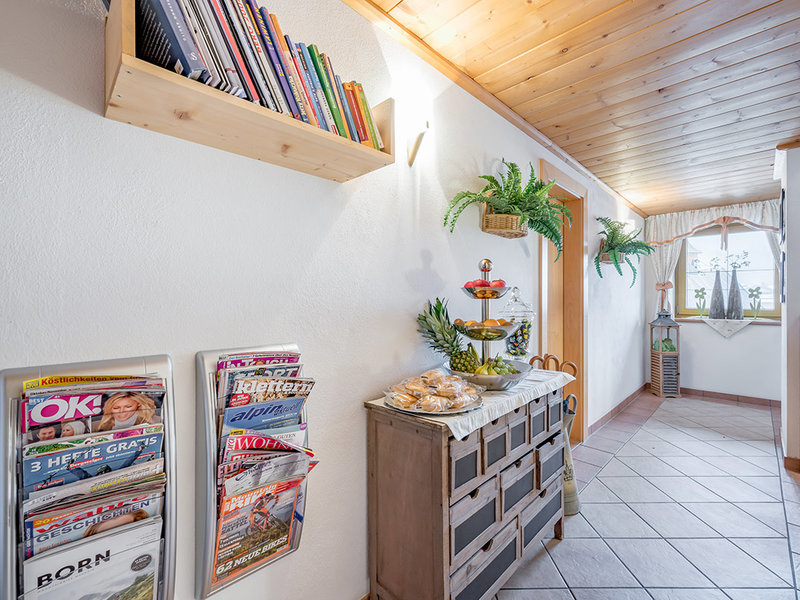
[(436, 328)]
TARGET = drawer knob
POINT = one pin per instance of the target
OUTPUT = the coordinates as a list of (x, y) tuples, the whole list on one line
[(518, 464), (553, 442), (495, 421), (543, 494), (487, 546), (537, 401), (474, 493)]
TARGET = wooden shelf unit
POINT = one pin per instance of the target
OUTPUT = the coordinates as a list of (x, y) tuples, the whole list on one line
[(148, 96)]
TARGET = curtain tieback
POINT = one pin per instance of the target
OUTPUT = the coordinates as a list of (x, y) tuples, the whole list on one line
[(723, 222), (663, 287)]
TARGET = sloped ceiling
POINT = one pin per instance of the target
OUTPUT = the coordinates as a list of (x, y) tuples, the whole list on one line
[(674, 104)]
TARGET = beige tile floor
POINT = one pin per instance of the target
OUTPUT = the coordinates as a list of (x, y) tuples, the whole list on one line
[(682, 499)]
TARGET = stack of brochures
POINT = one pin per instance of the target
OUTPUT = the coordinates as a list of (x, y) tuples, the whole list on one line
[(263, 459), (92, 485)]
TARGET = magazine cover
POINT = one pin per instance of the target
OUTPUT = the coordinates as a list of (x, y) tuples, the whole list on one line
[(280, 467), (226, 376), (77, 441), (41, 534), (80, 380), (253, 527), (122, 564), (68, 466), (248, 390), (227, 361), (293, 434), (100, 410), (257, 441), (264, 415), (114, 481)]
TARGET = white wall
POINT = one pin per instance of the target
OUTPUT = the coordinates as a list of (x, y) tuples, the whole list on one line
[(745, 364), (790, 326), (616, 317), (117, 241)]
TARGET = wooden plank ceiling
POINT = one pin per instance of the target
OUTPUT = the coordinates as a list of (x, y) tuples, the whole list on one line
[(674, 104)]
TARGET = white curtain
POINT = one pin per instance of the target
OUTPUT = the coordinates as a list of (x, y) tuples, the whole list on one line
[(666, 233)]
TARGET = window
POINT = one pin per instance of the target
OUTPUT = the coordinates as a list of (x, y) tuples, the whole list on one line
[(748, 251)]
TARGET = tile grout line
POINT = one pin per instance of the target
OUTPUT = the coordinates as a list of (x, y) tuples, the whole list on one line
[(667, 540)]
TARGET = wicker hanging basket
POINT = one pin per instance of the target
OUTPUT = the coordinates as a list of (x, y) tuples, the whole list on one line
[(507, 226), (605, 258)]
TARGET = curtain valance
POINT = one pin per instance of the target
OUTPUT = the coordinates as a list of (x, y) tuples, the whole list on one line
[(666, 233)]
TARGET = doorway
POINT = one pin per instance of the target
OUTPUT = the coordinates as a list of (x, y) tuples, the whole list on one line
[(563, 289)]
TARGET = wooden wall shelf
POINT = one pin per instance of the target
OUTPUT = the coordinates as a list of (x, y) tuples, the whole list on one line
[(142, 94)]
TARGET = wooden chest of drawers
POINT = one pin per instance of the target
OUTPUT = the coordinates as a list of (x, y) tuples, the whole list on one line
[(452, 519)]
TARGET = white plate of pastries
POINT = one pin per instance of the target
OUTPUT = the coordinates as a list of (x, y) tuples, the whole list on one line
[(435, 392)]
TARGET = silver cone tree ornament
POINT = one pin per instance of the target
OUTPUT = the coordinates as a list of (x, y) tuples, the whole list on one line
[(716, 309), (735, 308)]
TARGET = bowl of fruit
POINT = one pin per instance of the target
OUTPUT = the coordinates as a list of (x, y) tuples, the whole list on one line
[(483, 289), (489, 330), (496, 374)]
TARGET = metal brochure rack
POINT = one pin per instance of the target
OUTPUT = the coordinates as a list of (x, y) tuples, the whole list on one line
[(206, 476), (11, 388)]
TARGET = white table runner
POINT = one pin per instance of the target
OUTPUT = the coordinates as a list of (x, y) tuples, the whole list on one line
[(496, 404)]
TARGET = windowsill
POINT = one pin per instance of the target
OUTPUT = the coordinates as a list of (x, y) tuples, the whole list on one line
[(752, 322)]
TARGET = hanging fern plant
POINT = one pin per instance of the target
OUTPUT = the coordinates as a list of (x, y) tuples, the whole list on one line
[(532, 204), (619, 246)]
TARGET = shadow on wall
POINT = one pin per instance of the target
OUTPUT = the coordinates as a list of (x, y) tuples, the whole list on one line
[(55, 48)]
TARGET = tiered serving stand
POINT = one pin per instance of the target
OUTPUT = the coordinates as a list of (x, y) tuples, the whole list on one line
[(488, 334)]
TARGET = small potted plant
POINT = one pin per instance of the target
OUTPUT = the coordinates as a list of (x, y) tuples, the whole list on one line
[(509, 209), (617, 246)]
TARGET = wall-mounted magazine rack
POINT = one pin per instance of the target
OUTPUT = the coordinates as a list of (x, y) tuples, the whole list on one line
[(206, 476), (10, 389)]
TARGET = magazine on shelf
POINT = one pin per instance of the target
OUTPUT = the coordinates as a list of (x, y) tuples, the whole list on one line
[(227, 361), (71, 381), (78, 441), (43, 533), (293, 434), (226, 376), (151, 472), (263, 415), (163, 38), (121, 564), (99, 409), (257, 441), (281, 466), (69, 466), (253, 527), (249, 390)]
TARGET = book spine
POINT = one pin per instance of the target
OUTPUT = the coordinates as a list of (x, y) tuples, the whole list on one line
[(303, 88), (239, 23), (362, 102), (264, 60), (326, 63), (327, 89), (273, 53), (350, 92), (166, 40), (233, 83), (250, 88), (276, 41), (351, 124), (312, 93), (318, 91)]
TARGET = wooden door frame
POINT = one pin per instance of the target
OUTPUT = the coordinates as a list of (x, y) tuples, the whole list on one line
[(575, 285)]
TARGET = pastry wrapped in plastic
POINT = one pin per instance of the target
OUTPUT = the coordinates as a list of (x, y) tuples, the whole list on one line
[(449, 389), (433, 403), (404, 400), (433, 377), (416, 386), (458, 401)]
